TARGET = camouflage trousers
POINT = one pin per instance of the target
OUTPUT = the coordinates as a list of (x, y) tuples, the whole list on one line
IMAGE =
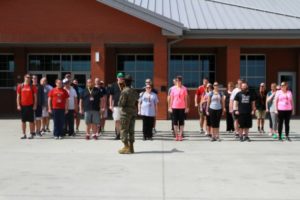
[(127, 128)]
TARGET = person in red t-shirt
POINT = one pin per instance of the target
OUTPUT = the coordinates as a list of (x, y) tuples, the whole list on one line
[(58, 101), (199, 93), (26, 103)]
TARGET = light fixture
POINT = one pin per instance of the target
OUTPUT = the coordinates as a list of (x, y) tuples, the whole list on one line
[(97, 57)]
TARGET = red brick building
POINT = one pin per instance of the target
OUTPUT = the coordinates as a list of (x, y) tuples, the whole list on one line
[(155, 39)]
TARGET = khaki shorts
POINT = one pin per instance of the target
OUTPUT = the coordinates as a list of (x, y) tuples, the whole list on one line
[(116, 113), (260, 114), (201, 114)]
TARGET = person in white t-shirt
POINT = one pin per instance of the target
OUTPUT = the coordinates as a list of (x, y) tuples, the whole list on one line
[(73, 107), (236, 90)]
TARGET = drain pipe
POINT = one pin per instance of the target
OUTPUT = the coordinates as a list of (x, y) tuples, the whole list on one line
[(169, 52)]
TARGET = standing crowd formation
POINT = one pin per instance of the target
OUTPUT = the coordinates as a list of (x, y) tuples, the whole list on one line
[(37, 102)]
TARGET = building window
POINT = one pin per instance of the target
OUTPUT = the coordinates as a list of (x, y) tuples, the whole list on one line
[(253, 69), (193, 68), (59, 62), (7, 68), (140, 67)]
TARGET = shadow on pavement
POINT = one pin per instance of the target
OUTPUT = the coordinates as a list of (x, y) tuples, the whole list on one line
[(159, 152)]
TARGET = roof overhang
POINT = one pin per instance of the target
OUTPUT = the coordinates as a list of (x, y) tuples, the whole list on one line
[(169, 26), (242, 34)]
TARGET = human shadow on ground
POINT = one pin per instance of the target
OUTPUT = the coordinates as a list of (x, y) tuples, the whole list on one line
[(159, 152)]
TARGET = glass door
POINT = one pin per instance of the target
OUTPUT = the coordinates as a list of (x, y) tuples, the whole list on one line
[(51, 78), (290, 78), (81, 78)]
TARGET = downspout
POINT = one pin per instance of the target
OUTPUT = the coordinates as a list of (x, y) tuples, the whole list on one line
[(169, 52)]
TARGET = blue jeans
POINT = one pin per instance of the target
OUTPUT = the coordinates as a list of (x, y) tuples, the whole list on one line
[(59, 121)]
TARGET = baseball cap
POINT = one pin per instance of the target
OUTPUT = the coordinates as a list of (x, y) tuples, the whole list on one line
[(65, 81), (120, 75)]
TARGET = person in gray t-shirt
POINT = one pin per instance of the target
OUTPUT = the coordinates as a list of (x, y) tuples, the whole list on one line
[(215, 109)]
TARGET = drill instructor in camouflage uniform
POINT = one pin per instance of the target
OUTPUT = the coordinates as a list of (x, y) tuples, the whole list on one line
[(128, 105)]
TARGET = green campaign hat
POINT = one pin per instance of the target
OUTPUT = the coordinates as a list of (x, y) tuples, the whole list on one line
[(120, 75)]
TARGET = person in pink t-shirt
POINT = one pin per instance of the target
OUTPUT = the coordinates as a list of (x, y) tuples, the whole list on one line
[(284, 108), (179, 107)]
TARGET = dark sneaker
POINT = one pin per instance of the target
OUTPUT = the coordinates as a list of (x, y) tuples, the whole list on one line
[(247, 139), (48, 130), (30, 137), (117, 137), (237, 136), (213, 139), (287, 138), (241, 139), (23, 137), (39, 134), (87, 137), (95, 137)]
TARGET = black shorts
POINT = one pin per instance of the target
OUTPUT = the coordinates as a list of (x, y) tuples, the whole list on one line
[(27, 114), (215, 117), (208, 122), (234, 116), (245, 120), (38, 112), (178, 117)]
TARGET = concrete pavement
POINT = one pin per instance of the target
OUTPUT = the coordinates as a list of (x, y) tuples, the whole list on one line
[(161, 169)]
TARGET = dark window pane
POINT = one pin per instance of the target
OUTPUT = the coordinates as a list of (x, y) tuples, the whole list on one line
[(144, 63), (207, 63), (191, 63), (126, 63), (66, 63)]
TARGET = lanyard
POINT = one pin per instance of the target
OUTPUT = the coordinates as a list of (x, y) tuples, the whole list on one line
[(90, 91)]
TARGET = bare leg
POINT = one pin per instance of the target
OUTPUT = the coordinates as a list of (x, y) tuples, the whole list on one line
[(38, 126), (24, 128), (31, 126)]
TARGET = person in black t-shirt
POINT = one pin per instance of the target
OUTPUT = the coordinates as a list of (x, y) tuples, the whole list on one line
[(90, 104), (115, 92), (261, 107), (244, 108)]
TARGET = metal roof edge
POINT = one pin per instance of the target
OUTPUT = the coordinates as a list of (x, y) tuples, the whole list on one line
[(137, 11), (243, 34)]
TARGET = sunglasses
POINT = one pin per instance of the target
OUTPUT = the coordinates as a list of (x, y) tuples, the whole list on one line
[(148, 87), (27, 77)]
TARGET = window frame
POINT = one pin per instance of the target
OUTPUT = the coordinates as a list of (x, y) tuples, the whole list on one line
[(8, 54), (265, 65), (135, 57), (199, 59), (60, 61)]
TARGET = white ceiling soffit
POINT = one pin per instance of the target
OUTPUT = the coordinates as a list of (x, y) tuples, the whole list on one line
[(169, 26)]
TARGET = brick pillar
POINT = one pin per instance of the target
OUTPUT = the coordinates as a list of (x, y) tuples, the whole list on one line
[(20, 64), (160, 77), (98, 68), (233, 63)]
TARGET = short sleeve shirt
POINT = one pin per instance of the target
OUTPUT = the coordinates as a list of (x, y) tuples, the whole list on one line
[(26, 93), (244, 102), (215, 101), (200, 91), (47, 89), (148, 103), (72, 95), (284, 100), (115, 91), (91, 99), (58, 97), (178, 95)]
